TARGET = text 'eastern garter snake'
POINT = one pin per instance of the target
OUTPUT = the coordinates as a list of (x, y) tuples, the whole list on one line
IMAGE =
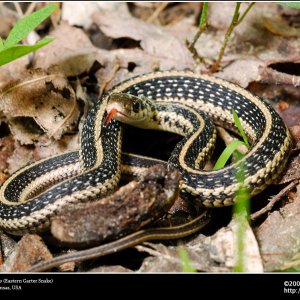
[(27, 203)]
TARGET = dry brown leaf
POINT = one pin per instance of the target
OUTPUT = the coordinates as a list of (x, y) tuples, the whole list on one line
[(295, 131), (45, 148), (277, 92), (224, 245), (166, 258), (71, 50), (256, 47), (8, 19), (41, 103), (292, 170), (6, 149), (278, 248), (80, 13), (210, 254), (141, 61), (154, 40), (280, 27), (13, 71), (20, 157), (242, 71), (270, 76)]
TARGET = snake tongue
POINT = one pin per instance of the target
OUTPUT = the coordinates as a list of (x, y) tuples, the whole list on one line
[(110, 115)]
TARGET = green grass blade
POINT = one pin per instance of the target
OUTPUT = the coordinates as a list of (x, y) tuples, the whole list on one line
[(240, 128), (185, 260), (28, 24), (203, 15), (9, 54), (223, 158), (295, 5), (241, 214), (1, 44)]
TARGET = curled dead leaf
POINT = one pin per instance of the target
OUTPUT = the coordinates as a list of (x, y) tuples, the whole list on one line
[(43, 102), (280, 27), (155, 41)]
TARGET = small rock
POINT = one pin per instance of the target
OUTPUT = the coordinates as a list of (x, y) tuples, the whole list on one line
[(30, 250)]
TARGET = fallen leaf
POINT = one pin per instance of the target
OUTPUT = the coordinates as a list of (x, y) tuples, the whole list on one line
[(279, 26), (8, 19), (236, 73), (154, 40), (40, 103), (270, 76), (71, 50), (295, 131), (292, 170), (6, 149), (80, 14), (45, 148), (215, 253), (278, 248), (20, 157), (13, 71)]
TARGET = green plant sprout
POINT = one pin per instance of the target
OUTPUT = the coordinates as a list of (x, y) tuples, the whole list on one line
[(10, 49), (185, 260), (202, 27), (241, 212), (241, 207), (232, 147), (236, 20)]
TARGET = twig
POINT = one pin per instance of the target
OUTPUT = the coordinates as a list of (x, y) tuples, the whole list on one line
[(234, 23), (245, 13), (18, 9), (202, 27), (274, 199), (157, 11), (30, 8)]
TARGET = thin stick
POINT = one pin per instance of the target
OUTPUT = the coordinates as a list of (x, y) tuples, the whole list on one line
[(274, 199), (157, 11), (30, 8), (202, 27), (18, 9), (234, 23)]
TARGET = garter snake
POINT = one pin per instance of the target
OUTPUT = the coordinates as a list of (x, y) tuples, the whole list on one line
[(35, 193)]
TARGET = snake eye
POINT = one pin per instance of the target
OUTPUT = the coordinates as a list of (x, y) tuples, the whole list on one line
[(136, 107)]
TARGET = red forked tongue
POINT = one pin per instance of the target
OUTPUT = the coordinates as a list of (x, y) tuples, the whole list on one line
[(110, 115)]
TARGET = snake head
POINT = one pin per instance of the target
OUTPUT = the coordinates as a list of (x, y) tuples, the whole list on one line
[(128, 109)]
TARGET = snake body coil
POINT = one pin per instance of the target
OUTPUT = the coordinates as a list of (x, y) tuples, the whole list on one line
[(27, 203)]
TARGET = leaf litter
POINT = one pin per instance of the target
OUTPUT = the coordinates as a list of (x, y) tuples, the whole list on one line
[(115, 44)]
